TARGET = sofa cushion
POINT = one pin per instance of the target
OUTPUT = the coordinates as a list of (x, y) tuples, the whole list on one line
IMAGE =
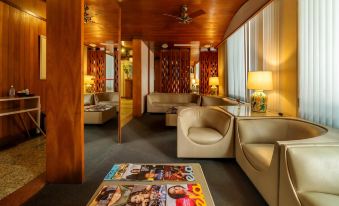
[(108, 102), (317, 198), (203, 135), (88, 99), (259, 155)]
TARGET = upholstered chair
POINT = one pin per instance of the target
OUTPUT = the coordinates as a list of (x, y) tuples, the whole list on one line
[(309, 175), (258, 142), (204, 132)]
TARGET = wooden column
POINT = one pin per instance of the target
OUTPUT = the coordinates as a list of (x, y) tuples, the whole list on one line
[(65, 124), (137, 78)]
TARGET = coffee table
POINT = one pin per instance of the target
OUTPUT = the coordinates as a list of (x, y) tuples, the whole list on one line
[(197, 171), (171, 117)]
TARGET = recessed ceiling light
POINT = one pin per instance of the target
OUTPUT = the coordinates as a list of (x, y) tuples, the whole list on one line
[(92, 45), (164, 46)]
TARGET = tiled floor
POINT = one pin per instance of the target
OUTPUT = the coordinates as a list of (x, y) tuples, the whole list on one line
[(21, 164)]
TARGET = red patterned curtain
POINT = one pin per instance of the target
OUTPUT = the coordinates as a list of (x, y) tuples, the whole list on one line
[(208, 68), (175, 70), (116, 71), (97, 67)]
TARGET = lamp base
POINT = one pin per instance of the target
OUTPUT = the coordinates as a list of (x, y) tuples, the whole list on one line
[(259, 101), (214, 91)]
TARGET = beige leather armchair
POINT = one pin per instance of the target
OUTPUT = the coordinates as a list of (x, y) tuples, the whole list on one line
[(204, 132), (309, 175), (258, 149)]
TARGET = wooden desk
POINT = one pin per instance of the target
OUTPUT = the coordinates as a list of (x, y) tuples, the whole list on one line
[(23, 105)]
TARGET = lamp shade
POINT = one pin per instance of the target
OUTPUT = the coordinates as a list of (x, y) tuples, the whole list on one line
[(260, 80), (89, 79), (213, 81)]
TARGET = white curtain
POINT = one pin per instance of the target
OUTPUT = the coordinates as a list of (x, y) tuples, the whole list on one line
[(319, 61), (271, 51), (236, 65), (109, 72), (262, 48)]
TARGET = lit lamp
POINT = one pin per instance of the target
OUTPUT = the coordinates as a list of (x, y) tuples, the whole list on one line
[(88, 83), (213, 82), (259, 81)]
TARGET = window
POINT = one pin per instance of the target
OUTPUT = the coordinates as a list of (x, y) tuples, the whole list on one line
[(236, 65), (318, 61), (255, 46), (109, 73)]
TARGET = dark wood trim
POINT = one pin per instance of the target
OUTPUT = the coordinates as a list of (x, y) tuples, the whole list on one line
[(22, 195), (23, 10), (149, 70), (119, 79)]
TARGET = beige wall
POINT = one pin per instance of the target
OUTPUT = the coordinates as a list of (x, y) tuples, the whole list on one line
[(288, 57), (144, 75), (151, 75), (222, 62)]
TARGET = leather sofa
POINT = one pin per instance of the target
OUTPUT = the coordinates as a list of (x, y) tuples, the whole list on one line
[(216, 101), (258, 142), (162, 102), (309, 175), (204, 132), (100, 107)]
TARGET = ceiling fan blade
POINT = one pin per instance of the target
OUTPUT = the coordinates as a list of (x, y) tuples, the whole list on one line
[(170, 15), (197, 13)]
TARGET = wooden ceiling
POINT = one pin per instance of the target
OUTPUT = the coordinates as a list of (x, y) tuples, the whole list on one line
[(144, 19), (105, 14)]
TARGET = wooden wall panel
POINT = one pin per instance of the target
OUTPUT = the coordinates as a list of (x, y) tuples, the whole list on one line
[(97, 67), (19, 61), (36, 7), (175, 70), (157, 75), (65, 128), (208, 68)]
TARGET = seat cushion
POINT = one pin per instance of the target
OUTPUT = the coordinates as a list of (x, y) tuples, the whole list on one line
[(317, 198), (259, 155), (203, 135)]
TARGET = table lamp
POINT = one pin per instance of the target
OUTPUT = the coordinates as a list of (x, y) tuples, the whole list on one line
[(259, 81), (88, 83), (213, 82)]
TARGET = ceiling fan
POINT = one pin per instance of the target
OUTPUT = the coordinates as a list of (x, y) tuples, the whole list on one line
[(88, 17), (184, 17)]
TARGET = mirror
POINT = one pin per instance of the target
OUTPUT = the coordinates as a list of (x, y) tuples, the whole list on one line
[(126, 83), (101, 70)]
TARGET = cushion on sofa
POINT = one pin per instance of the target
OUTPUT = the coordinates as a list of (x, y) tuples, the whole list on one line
[(259, 155), (88, 99), (317, 198), (203, 135)]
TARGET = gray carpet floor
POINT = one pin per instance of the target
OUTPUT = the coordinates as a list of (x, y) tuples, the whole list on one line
[(146, 140)]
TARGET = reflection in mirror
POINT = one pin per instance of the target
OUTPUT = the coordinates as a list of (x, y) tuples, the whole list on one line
[(126, 83), (101, 71)]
